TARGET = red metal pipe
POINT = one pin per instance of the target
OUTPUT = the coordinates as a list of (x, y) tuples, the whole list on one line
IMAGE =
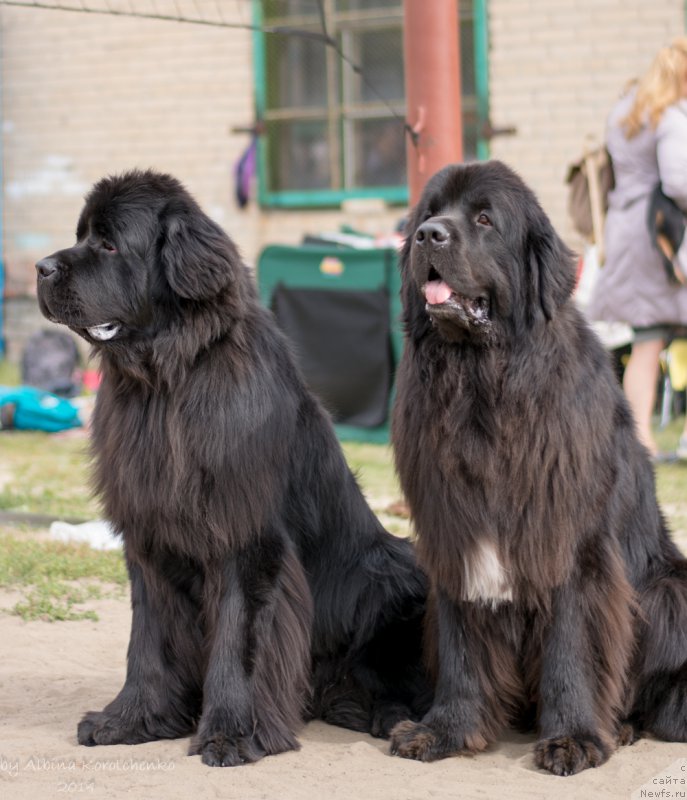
[(432, 76)]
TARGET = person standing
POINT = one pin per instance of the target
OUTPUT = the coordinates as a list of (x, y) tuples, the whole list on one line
[(646, 136)]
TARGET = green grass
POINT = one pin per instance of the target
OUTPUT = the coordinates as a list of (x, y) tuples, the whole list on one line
[(26, 560), (45, 474), (671, 483), (56, 578), (9, 373), (57, 603)]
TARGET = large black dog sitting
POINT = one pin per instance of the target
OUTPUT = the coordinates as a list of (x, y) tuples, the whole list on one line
[(263, 587), (561, 602)]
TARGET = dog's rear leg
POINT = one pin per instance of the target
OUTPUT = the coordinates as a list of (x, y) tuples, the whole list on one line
[(661, 701), (368, 670)]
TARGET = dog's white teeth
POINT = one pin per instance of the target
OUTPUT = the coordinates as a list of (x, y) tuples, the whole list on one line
[(103, 332)]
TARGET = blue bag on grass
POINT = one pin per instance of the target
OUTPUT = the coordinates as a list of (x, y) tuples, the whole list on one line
[(29, 409)]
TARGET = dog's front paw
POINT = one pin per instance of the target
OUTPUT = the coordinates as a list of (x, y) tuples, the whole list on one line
[(99, 727), (567, 755), (430, 741), (220, 750)]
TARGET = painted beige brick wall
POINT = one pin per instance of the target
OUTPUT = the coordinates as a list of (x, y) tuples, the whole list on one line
[(87, 95)]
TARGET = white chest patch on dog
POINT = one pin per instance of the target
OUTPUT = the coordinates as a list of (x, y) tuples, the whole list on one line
[(485, 579)]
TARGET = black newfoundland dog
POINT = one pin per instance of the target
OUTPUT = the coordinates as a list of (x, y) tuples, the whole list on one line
[(263, 587), (559, 600)]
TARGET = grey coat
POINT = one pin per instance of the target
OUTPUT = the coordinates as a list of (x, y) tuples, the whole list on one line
[(632, 286)]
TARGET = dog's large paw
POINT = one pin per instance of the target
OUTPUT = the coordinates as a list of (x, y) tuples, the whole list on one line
[(432, 741), (99, 727), (220, 750), (111, 727), (568, 755)]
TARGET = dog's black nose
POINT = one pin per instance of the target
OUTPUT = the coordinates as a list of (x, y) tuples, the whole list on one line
[(432, 233), (46, 267)]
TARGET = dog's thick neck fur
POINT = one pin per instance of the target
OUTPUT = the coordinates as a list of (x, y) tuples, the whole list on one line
[(164, 359)]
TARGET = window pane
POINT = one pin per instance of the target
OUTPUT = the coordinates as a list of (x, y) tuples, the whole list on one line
[(379, 54), (296, 72), (330, 127), (366, 5), (377, 147), (298, 155), (290, 8)]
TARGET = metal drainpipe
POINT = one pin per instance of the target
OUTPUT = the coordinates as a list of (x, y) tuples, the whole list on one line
[(432, 75)]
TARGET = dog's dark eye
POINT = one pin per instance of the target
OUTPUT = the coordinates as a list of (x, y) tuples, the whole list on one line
[(483, 219), (108, 246)]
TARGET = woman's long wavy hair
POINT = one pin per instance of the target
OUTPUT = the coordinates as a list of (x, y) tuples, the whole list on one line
[(662, 85)]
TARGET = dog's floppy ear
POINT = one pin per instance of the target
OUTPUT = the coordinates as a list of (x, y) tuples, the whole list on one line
[(198, 258), (551, 264)]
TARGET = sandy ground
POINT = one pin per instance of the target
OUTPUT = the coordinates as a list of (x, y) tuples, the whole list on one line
[(51, 672)]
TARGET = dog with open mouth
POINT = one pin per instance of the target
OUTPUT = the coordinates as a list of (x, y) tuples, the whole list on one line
[(559, 601)]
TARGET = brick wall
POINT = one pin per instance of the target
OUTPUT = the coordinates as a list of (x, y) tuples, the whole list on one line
[(87, 94)]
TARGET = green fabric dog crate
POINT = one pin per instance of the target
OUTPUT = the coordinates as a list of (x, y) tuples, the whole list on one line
[(340, 308)]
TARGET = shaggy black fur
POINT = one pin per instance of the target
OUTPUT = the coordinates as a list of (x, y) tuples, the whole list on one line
[(263, 587), (560, 601)]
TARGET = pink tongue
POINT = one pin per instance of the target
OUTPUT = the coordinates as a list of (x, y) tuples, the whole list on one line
[(437, 292)]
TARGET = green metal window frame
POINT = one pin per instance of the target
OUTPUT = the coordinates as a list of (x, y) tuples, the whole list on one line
[(395, 195), (481, 34)]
